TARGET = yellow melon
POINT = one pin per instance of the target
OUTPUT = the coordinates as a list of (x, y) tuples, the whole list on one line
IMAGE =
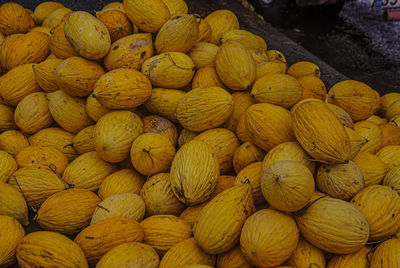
[(325, 218), (390, 155), (391, 134), (59, 45), (304, 68), (341, 181), (185, 136), (359, 259), (387, 254), (203, 54), (45, 73), (383, 220), (152, 153), (207, 77), (78, 76), (392, 179), (49, 248), (218, 225), (14, 18), (7, 166), (232, 259), (130, 254), (99, 238), (341, 114), (12, 203), (313, 87), (164, 102), (148, 16), (252, 174), (268, 238), (356, 142), (121, 181), (87, 35), (10, 239), (13, 141), (246, 154), (287, 185), (373, 133), (320, 133), (69, 112), (127, 205), (192, 183), (306, 255), (158, 196), (117, 23), (358, 99), (160, 125), (221, 21), (88, 171), (43, 10), (68, 211), (6, 118), (263, 121), (373, 168)]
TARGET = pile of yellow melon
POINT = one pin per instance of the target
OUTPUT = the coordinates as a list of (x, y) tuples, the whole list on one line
[(145, 136)]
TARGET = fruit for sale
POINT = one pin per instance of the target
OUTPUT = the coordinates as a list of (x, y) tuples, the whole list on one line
[(387, 254), (12, 203), (87, 35), (383, 219), (44, 248), (224, 143), (78, 76), (83, 141), (207, 77), (307, 255), (122, 89), (176, 7), (341, 114), (193, 183), (287, 185), (45, 73), (55, 137), (164, 102), (325, 218), (361, 259), (32, 113), (190, 214), (95, 109), (129, 52), (68, 211), (13, 141), (158, 196), (169, 69), (218, 225), (9, 240), (130, 254), (278, 89), (388, 99), (42, 156), (59, 45), (373, 168), (37, 183), (224, 182), (356, 142), (393, 110), (88, 171), (148, 16), (320, 133), (235, 65), (185, 253), (313, 87), (204, 31), (17, 84), (372, 133), (377, 120), (69, 112), (304, 68), (160, 125), (263, 121), (203, 54), (391, 134), (117, 23), (178, 34), (390, 155), (127, 205), (14, 18), (204, 108), (121, 181), (56, 18), (358, 99), (163, 232), (252, 173), (43, 10), (6, 118), (114, 134), (341, 181), (221, 21), (152, 153), (288, 151), (392, 179), (268, 238), (232, 259), (20, 49), (246, 154), (7, 166), (116, 5), (99, 238)]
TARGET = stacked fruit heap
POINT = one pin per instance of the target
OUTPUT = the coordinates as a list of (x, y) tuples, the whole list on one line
[(161, 139)]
